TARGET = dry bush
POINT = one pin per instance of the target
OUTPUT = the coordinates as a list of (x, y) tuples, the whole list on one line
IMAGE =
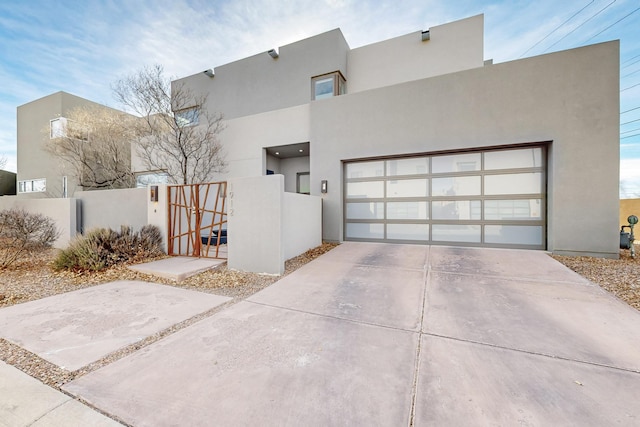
[(22, 232), (103, 247)]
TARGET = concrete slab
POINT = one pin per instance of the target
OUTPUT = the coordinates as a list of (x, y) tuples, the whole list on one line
[(567, 320), (379, 255), (511, 263), (177, 268), (386, 295), (257, 365), (25, 401), (74, 329), (464, 384)]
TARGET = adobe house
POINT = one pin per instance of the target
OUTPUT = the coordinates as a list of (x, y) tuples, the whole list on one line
[(418, 139)]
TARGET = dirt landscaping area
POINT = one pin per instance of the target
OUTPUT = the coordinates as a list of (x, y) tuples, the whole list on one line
[(621, 276), (32, 278)]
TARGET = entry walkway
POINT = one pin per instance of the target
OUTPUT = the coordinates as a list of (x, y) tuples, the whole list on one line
[(373, 334), (378, 334)]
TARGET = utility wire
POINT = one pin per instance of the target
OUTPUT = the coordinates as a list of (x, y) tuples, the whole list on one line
[(557, 28), (572, 31), (629, 131), (627, 88), (630, 64), (626, 123), (630, 136), (637, 108), (624, 17), (630, 74), (637, 56)]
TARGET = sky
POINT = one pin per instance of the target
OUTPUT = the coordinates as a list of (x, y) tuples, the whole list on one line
[(82, 47)]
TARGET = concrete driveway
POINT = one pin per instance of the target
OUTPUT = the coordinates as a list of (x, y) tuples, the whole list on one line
[(393, 335)]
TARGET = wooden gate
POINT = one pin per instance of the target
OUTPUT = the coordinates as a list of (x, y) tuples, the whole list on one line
[(198, 220)]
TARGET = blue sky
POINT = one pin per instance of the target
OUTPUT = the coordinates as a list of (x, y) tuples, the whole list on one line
[(82, 47)]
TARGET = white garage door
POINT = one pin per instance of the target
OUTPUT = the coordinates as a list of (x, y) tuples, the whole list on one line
[(484, 198)]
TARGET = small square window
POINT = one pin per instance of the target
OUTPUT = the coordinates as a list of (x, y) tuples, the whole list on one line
[(58, 128), (328, 85)]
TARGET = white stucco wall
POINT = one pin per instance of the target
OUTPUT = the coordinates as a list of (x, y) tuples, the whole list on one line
[(255, 221), (244, 139), (302, 223), (62, 211), (452, 47), (268, 226), (113, 208)]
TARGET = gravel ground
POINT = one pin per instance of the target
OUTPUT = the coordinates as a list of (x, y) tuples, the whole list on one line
[(621, 276), (33, 279)]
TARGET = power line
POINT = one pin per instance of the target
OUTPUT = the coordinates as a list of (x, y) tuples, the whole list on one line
[(572, 31), (627, 88), (630, 136), (637, 108), (557, 28), (628, 65), (624, 17), (626, 123), (629, 131), (624, 62), (630, 74)]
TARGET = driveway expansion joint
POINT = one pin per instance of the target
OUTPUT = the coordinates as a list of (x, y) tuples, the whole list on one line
[(533, 353)]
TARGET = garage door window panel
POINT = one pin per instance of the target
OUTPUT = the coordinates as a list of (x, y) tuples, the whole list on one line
[(370, 210), (408, 188), (408, 210), (418, 232), (365, 231), (365, 190), (456, 186), (515, 183)]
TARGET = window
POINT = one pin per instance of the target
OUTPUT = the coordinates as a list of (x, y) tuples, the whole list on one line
[(32, 186), (58, 128), (144, 179), (303, 183), (328, 85), (65, 128), (187, 116)]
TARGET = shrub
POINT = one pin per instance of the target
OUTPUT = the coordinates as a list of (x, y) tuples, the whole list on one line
[(23, 232), (103, 247)]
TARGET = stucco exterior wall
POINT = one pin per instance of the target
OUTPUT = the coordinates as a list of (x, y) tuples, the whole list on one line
[(260, 83), (113, 208), (244, 138), (62, 211), (452, 47), (570, 98)]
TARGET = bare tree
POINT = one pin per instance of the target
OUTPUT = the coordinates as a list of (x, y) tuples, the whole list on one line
[(180, 136), (95, 143), (3, 162)]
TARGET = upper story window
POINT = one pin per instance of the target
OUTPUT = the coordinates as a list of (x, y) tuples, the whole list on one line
[(65, 128), (187, 116), (58, 128), (32, 186), (328, 85)]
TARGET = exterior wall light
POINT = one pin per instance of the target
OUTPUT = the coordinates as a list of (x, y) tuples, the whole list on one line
[(208, 72), (425, 36), (323, 186), (153, 193), (273, 53)]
